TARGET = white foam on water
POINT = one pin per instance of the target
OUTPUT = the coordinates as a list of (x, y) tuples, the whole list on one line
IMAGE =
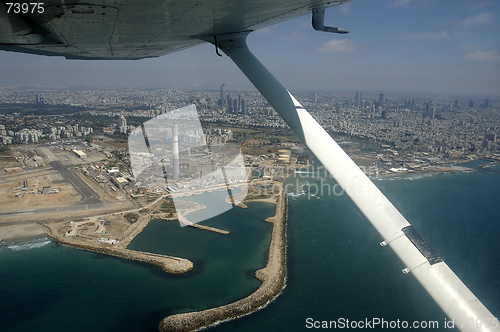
[(410, 177), (28, 244)]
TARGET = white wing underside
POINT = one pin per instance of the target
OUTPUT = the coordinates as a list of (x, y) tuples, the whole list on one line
[(135, 30)]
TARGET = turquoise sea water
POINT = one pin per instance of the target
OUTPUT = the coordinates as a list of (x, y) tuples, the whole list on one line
[(336, 268), (47, 287)]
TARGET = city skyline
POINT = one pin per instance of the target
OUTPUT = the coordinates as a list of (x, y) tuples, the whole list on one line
[(394, 46)]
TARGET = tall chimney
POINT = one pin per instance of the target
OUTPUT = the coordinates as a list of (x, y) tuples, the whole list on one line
[(175, 150)]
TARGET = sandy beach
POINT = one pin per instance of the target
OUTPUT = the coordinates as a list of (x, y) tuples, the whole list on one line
[(22, 231)]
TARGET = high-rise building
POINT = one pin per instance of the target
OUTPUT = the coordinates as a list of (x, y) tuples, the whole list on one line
[(235, 106), (398, 123), (222, 96), (122, 124), (456, 103), (471, 103), (358, 99), (490, 137), (243, 106), (122, 121), (486, 103), (229, 103), (381, 99), (36, 99), (315, 98)]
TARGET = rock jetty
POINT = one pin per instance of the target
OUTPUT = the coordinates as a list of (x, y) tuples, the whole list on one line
[(211, 229), (272, 276), (169, 264)]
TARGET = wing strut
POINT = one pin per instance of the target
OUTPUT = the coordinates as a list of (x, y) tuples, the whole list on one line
[(318, 21), (216, 46), (450, 293)]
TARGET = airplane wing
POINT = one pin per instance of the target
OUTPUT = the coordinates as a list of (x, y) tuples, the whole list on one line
[(135, 30)]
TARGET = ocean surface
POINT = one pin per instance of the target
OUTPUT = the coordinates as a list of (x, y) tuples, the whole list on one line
[(336, 267)]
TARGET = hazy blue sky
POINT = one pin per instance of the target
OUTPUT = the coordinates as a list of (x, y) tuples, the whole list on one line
[(394, 45)]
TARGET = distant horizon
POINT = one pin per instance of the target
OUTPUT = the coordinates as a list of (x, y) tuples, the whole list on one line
[(368, 93), (394, 46)]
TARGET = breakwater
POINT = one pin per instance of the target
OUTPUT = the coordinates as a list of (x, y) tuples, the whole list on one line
[(186, 222), (211, 229), (272, 276), (492, 163), (169, 264)]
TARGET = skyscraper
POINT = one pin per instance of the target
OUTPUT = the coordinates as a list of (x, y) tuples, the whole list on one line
[(471, 103), (235, 106), (222, 92), (243, 106), (122, 124), (486, 103), (122, 121), (229, 103), (381, 99), (358, 99)]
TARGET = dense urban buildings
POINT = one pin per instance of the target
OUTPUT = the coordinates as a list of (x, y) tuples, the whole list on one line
[(405, 130)]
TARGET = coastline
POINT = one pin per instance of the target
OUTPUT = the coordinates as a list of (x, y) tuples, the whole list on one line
[(433, 170), (16, 230), (58, 232), (273, 277), (21, 232), (169, 264)]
